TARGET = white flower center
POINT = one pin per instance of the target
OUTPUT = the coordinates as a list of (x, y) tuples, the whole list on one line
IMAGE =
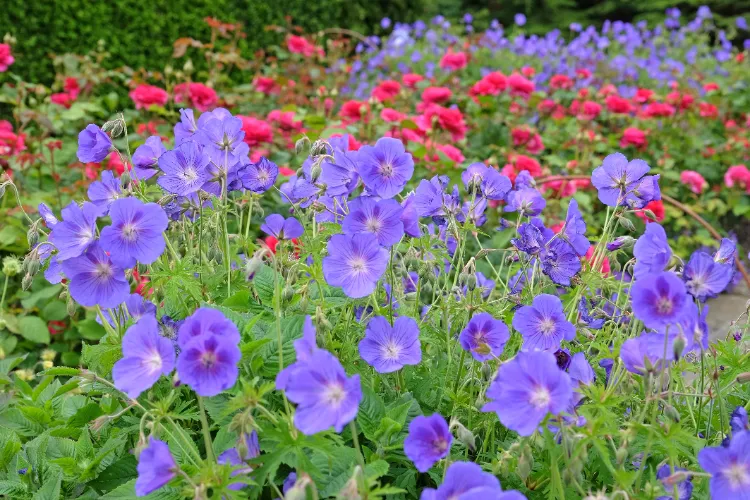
[(358, 264), (130, 231), (540, 398), (153, 362), (334, 394), (103, 271), (664, 306), (391, 351), (547, 326), (386, 169), (189, 174), (737, 475), (373, 225)]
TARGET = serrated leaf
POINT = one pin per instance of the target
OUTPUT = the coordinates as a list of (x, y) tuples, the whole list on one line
[(85, 415), (376, 469), (371, 411), (89, 329), (101, 357)]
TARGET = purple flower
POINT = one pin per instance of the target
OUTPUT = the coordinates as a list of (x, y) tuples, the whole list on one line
[(620, 182), (580, 370), (385, 167), (95, 279), (232, 457), (530, 239), (519, 19), (208, 363), (185, 169), (428, 441), (560, 262), (543, 324), (621, 242), (528, 202), (492, 184), (221, 131), (136, 233), (324, 395), (484, 284), (340, 175), (591, 321), (575, 229), (729, 467), (146, 357), (484, 337), (684, 487), (659, 299), (355, 263), (103, 193), (156, 467), (77, 230), (380, 218), (524, 180), (410, 218), (282, 229), (47, 215), (135, 307), (648, 346), (304, 347), (738, 420), (467, 481), (704, 277), (186, 128), (724, 255), (93, 144), (205, 322), (146, 158), (388, 348), (526, 389), (259, 177), (651, 251), (429, 196)]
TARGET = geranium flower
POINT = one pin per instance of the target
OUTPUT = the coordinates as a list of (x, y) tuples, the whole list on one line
[(389, 348), (428, 441)]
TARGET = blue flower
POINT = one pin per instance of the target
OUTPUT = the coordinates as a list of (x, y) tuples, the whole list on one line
[(136, 233), (429, 440), (385, 167), (93, 144)]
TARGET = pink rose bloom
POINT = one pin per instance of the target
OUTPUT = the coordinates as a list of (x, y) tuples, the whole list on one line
[(300, 45), (392, 116), (694, 181), (196, 95), (738, 175), (62, 98), (284, 120), (633, 137), (145, 96), (411, 79), (353, 110), (266, 85), (454, 60), (256, 131), (520, 86), (453, 153), (433, 95), (386, 90), (6, 59)]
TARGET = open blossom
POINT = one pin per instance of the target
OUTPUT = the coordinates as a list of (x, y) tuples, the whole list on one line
[(136, 232), (146, 357), (103, 193), (429, 440), (300, 45), (706, 278), (529, 202), (633, 137), (659, 299), (543, 324), (622, 182), (729, 467), (526, 389), (256, 131), (467, 480), (95, 280), (385, 167), (197, 95), (146, 158), (282, 229), (694, 181), (389, 348), (354, 110), (355, 263), (381, 218), (436, 95), (484, 337), (6, 59), (93, 144), (386, 90), (651, 251), (77, 230), (520, 86), (145, 96), (185, 169), (156, 467), (454, 60), (324, 395), (738, 175)]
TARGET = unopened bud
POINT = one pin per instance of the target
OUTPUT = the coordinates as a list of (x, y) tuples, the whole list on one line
[(31, 263), (315, 172), (288, 293), (621, 455), (300, 145), (743, 378), (525, 463), (318, 148), (671, 412), (471, 282), (12, 266), (626, 223), (125, 179), (465, 436), (70, 306), (26, 282), (678, 346), (620, 242), (32, 236)]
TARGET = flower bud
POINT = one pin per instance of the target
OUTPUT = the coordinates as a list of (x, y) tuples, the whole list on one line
[(671, 412), (525, 463), (288, 293), (621, 455), (678, 346), (32, 236), (743, 378), (626, 223), (31, 263), (11, 266), (70, 306), (620, 242), (471, 282), (26, 282), (301, 144), (465, 436), (47, 364), (48, 355), (315, 172)]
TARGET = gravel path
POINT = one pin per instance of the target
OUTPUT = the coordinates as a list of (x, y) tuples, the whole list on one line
[(726, 308)]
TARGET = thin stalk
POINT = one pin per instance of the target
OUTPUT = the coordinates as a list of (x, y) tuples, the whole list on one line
[(206, 432)]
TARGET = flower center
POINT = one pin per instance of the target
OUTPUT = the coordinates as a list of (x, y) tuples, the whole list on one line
[(153, 362), (392, 351), (738, 475), (208, 359), (263, 176), (103, 271), (189, 174), (130, 232), (540, 398), (373, 225), (547, 326), (386, 169), (664, 306), (334, 394), (440, 445), (358, 265)]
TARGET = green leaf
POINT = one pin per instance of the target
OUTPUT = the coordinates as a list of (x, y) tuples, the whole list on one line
[(34, 329), (101, 357), (55, 311), (7, 364), (89, 329), (371, 412), (62, 371), (85, 415), (126, 491), (119, 472), (45, 293), (376, 469)]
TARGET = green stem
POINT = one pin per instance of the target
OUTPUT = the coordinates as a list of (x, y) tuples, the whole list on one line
[(5, 289), (206, 432)]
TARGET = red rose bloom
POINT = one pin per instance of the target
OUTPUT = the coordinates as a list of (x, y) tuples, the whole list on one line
[(411, 79), (196, 95), (454, 60), (353, 110), (386, 90), (256, 131), (436, 95), (145, 96)]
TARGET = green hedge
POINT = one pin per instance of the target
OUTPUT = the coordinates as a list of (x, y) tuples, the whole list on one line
[(139, 33)]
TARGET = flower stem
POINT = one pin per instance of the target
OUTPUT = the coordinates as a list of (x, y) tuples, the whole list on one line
[(206, 432)]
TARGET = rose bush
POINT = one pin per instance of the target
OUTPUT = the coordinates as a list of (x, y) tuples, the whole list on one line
[(439, 264)]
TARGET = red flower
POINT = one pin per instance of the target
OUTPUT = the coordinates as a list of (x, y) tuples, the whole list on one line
[(71, 87), (55, 327), (528, 71), (284, 120), (590, 110), (196, 95), (520, 86), (300, 45), (454, 60), (115, 163), (448, 119), (563, 82), (519, 163), (392, 116), (658, 109), (633, 137), (286, 171), (657, 207), (62, 98), (386, 90), (256, 131), (643, 95), (708, 110), (617, 104), (354, 110), (604, 266), (526, 138), (711, 86), (6, 59), (266, 85)]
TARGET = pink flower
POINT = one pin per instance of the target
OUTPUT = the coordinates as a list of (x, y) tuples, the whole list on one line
[(519, 163), (256, 131), (62, 98), (266, 85), (590, 110), (145, 96), (386, 90), (708, 110), (604, 266), (560, 82), (284, 120), (436, 94), (694, 181), (738, 175), (115, 163), (492, 84), (196, 95), (520, 86), (6, 59), (411, 79), (71, 87), (392, 116), (300, 45), (452, 152), (454, 60), (448, 119), (633, 137), (617, 104), (10, 142), (354, 110)]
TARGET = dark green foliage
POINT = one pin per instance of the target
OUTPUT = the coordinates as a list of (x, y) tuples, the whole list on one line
[(140, 34)]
